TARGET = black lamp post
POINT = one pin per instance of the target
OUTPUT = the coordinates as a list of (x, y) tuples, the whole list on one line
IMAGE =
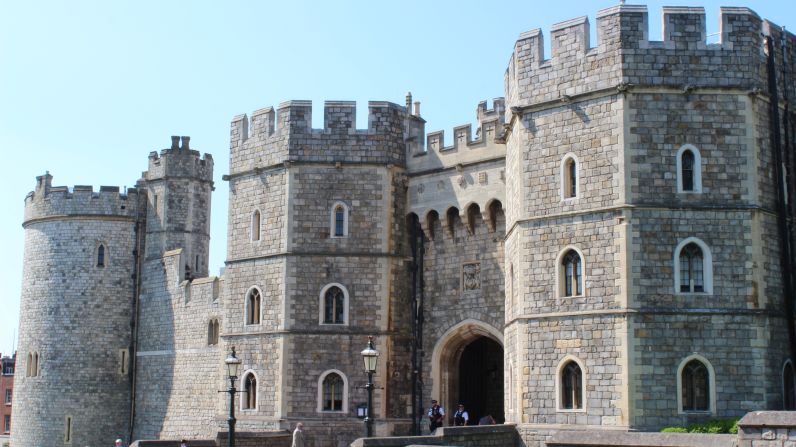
[(371, 357), (232, 363)]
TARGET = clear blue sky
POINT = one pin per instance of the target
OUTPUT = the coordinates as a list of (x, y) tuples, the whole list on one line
[(88, 89)]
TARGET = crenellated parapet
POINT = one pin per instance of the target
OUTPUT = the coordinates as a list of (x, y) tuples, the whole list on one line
[(624, 55), (466, 148), (48, 201), (271, 137), (179, 161)]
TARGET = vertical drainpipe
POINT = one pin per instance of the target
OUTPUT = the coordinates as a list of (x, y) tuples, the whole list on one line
[(138, 255), (786, 256), (413, 243), (420, 318)]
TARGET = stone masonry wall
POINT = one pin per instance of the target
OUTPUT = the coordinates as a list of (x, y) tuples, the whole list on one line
[(67, 301), (174, 356)]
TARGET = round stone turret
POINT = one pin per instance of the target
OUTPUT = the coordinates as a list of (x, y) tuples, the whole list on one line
[(73, 381)]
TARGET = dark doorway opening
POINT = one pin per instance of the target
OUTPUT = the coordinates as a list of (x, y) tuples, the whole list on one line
[(481, 380)]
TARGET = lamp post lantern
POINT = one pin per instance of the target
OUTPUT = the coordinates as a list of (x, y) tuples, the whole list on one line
[(370, 356), (232, 362)]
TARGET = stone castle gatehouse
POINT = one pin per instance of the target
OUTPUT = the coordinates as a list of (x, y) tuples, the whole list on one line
[(611, 248)]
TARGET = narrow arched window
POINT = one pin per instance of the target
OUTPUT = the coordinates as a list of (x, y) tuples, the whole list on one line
[(29, 365), (572, 179), (573, 274), (789, 387), (571, 386), (253, 302), (688, 170), (339, 221), (334, 306), (249, 401), (332, 395), (255, 230), (569, 177), (212, 332), (101, 256), (692, 277), (695, 386)]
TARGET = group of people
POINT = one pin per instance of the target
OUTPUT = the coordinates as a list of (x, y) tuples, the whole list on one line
[(436, 416)]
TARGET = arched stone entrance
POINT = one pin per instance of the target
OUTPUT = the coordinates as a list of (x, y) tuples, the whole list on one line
[(467, 367)]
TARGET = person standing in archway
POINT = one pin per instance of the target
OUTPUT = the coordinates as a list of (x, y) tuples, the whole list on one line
[(436, 414), (461, 417)]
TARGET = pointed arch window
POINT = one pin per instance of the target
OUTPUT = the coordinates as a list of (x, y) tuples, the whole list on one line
[(253, 306), (256, 224), (692, 270), (695, 387), (573, 274), (571, 386), (334, 304), (249, 400), (789, 387), (101, 255), (693, 267), (332, 395)]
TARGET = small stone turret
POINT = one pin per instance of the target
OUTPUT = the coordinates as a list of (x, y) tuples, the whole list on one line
[(178, 184)]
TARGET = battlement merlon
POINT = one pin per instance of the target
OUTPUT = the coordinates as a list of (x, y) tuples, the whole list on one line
[(295, 118), (489, 130), (624, 55), (179, 161), (627, 27), (48, 201)]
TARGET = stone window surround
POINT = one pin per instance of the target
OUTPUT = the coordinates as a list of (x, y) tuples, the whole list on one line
[(322, 304), (711, 385), (332, 226), (33, 366), (246, 307), (124, 361), (321, 378), (697, 169), (243, 397), (68, 430), (560, 272), (213, 330), (707, 266), (782, 375), (560, 388), (105, 257), (256, 224), (565, 180)]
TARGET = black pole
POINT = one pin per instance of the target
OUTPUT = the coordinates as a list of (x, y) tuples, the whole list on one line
[(231, 420), (368, 416)]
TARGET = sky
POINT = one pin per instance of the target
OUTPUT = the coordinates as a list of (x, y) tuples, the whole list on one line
[(88, 89)]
